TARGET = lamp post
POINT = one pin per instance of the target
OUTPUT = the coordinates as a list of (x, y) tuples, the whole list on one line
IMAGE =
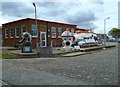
[(89, 35), (36, 25), (105, 30)]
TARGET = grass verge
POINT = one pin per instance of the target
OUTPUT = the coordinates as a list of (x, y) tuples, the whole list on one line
[(6, 54)]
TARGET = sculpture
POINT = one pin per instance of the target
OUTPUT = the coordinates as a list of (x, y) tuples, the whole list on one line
[(26, 43)]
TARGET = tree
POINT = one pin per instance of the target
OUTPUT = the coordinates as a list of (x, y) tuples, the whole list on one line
[(114, 32)]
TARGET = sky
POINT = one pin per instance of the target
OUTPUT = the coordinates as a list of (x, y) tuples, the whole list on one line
[(87, 14)]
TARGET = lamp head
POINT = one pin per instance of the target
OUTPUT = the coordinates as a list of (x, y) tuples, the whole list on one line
[(34, 5), (108, 18)]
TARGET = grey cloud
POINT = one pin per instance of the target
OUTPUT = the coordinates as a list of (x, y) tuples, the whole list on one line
[(46, 4), (54, 10), (20, 9), (87, 26), (101, 2), (49, 8), (17, 9), (59, 9), (83, 19)]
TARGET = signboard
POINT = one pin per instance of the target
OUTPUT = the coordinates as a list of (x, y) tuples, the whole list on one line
[(77, 47), (27, 49)]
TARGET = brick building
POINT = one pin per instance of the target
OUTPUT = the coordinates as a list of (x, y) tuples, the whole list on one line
[(79, 30), (0, 35), (47, 31)]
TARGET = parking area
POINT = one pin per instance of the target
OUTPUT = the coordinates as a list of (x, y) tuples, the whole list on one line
[(98, 68)]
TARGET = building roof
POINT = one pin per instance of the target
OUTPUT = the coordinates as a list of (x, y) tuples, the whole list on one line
[(82, 29), (40, 20)]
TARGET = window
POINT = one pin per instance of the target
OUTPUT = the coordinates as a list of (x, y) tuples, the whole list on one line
[(6, 33), (17, 32), (43, 39), (72, 30), (23, 29), (53, 30), (11, 32), (59, 32), (34, 30), (67, 29)]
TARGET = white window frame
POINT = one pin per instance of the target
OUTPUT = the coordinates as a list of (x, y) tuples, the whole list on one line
[(5, 33), (16, 32), (59, 36), (41, 39), (22, 29), (52, 32), (34, 36)]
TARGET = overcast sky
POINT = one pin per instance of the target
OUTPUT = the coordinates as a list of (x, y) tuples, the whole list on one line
[(89, 14)]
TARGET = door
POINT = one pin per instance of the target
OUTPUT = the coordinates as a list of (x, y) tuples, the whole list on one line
[(43, 39)]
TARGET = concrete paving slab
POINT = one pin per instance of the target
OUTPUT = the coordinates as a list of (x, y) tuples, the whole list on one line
[(36, 77), (99, 68)]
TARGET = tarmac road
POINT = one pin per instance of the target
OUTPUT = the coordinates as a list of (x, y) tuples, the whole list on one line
[(98, 68)]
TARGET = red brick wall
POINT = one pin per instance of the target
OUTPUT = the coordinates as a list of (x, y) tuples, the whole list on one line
[(12, 41), (42, 26), (57, 42)]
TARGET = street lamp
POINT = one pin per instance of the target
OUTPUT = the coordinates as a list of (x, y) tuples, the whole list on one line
[(36, 25), (105, 30)]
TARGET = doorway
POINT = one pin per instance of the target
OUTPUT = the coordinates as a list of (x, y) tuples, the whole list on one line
[(43, 39)]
